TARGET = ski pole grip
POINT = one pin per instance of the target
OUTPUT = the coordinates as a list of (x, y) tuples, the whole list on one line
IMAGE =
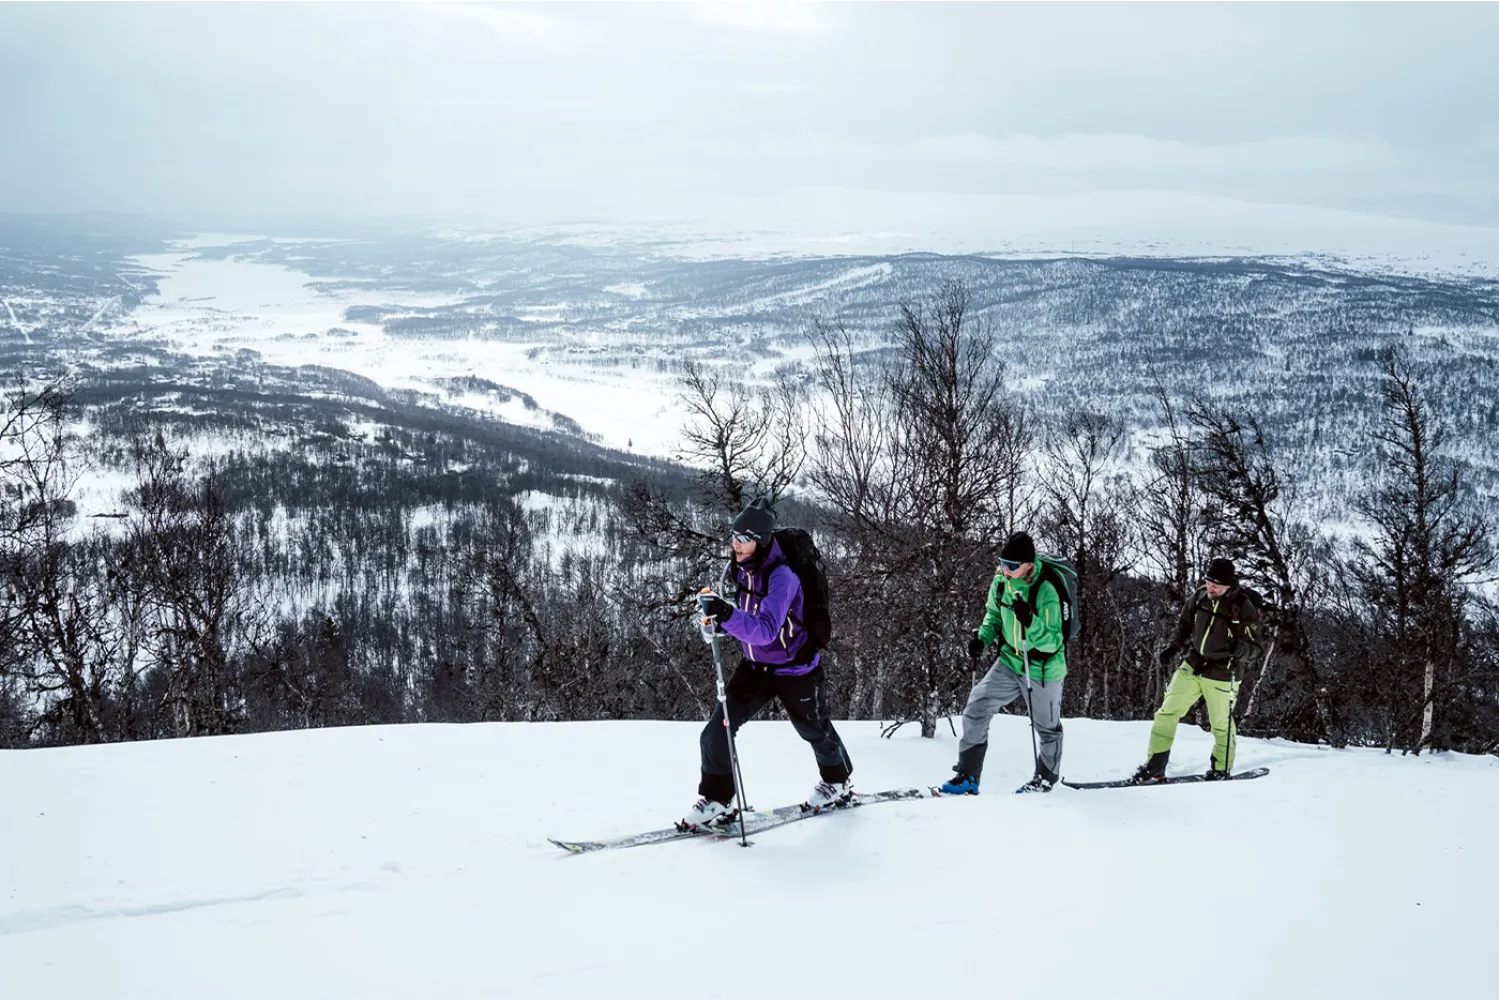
[(706, 626)]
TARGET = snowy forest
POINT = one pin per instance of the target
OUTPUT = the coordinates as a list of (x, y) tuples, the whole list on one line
[(440, 569)]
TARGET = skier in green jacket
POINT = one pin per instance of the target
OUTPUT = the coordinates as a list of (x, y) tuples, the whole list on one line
[(1218, 631), (1024, 612)]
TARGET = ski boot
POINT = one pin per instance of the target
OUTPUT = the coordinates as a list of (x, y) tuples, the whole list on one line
[(1040, 783), (1213, 774), (706, 814), (970, 764), (829, 795), (1144, 775), (1153, 771)]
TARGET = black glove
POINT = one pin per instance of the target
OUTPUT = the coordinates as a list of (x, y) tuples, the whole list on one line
[(975, 646), (1167, 655), (715, 607), (1022, 610)]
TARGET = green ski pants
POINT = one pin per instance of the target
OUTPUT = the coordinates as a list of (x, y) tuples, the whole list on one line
[(1186, 687)]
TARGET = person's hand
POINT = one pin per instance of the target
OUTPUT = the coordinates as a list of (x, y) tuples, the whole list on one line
[(1021, 609), (1167, 655), (975, 646), (715, 607)]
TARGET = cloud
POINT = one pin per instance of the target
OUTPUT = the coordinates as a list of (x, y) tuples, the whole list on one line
[(523, 27), (1140, 151), (567, 110), (785, 18)]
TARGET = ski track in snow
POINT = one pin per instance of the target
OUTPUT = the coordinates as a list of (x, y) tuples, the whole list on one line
[(64, 915)]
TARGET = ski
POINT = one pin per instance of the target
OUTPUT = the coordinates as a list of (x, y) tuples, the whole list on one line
[(754, 822), (1180, 779), (632, 840)]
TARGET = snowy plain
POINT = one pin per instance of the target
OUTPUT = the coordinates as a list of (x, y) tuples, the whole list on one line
[(817, 221), (413, 862), (208, 307)]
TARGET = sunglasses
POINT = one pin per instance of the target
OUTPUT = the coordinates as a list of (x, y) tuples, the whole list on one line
[(1011, 563), (744, 539)]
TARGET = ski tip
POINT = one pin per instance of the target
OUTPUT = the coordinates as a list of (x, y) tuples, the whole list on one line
[(570, 848)]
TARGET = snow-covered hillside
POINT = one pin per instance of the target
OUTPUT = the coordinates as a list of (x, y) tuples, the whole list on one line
[(413, 862), (538, 330)]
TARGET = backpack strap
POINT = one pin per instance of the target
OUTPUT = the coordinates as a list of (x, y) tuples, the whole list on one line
[(1059, 589), (764, 578)]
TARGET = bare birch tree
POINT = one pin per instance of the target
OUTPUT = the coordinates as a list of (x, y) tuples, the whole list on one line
[(1428, 542)]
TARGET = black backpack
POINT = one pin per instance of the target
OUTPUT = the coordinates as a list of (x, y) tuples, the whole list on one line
[(1063, 577), (1266, 609), (806, 562)]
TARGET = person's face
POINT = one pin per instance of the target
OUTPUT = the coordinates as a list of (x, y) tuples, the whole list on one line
[(1216, 590), (1015, 570), (744, 547)]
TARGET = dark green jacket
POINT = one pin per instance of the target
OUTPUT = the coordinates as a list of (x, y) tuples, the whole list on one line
[(1219, 638)]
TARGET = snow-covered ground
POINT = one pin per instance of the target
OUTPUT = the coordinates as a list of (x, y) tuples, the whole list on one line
[(215, 306), (413, 862), (209, 307)]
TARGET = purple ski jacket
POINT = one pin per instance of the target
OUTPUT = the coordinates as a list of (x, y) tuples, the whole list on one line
[(768, 618)]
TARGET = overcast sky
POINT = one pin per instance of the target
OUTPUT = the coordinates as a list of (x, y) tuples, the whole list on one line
[(522, 114)]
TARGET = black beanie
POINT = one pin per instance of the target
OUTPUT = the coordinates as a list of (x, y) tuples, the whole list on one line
[(1222, 571), (1019, 548), (758, 520)]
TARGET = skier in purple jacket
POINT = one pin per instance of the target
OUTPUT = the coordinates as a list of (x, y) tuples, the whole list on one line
[(779, 662)]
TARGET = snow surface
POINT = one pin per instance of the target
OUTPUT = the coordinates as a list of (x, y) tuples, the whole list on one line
[(412, 862), (206, 307)]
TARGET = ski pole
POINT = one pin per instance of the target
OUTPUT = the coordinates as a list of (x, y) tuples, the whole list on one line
[(1233, 698), (1025, 653), (723, 704)]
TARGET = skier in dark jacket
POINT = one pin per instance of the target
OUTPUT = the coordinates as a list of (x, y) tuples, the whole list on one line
[(779, 662), (1217, 632)]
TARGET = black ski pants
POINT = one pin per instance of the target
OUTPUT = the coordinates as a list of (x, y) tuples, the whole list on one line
[(749, 690)]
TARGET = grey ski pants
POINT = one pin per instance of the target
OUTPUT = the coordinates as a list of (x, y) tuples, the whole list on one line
[(998, 688)]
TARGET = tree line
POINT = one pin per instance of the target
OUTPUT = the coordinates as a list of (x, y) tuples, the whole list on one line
[(244, 593)]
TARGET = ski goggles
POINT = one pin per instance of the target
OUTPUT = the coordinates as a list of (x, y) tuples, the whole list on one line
[(744, 539), (1011, 563)]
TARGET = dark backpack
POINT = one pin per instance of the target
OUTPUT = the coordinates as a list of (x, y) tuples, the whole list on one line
[(1063, 577), (806, 562), (1257, 599)]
